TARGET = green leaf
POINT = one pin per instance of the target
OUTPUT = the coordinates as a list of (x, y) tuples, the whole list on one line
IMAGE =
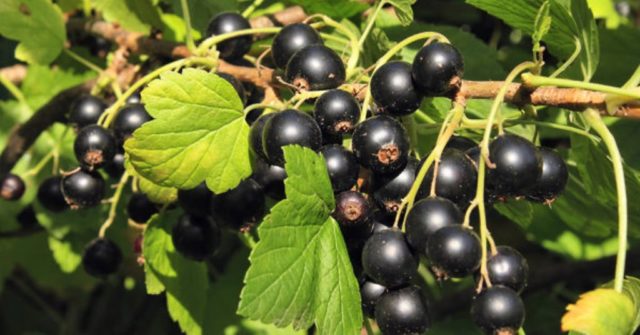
[(619, 55), (631, 289), (570, 20), (600, 312), (43, 82), (337, 9), (541, 26), (403, 10), (66, 253), (198, 133), (300, 270), (133, 15), (605, 9), (38, 26), (185, 281), (203, 10), (158, 194), (376, 45)]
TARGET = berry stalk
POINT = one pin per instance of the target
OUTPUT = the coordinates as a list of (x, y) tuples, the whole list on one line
[(187, 22), (210, 42), (609, 140), (535, 81), (114, 205)]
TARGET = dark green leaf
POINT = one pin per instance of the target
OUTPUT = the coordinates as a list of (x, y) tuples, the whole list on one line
[(133, 15), (403, 10), (337, 9)]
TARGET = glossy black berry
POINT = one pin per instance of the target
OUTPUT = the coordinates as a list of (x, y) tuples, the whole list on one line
[(509, 268), (86, 110), (12, 187), (315, 67), (140, 208), (292, 39), (352, 213), (498, 310), (403, 311), (336, 112), (237, 85), (289, 127), (342, 166), (461, 143), (115, 168), (27, 218), (388, 260), (381, 144), (134, 98), (196, 237), (389, 190), (370, 292), (517, 165), (240, 205), (454, 251), (270, 177), (255, 136), (456, 178), (553, 177), (232, 48), (393, 90), (128, 119), (426, 217), (83, 189), (196, 201), (101, 258), (94, 146), (437, 68), (50, 194)]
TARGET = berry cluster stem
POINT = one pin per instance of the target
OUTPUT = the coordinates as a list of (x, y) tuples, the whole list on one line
[(114, 205), (371, 21), (206, 45), (609, 140), (187, 22)]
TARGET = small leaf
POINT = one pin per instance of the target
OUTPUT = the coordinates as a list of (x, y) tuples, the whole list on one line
[(541, 26), (66, 254), (300, 270), (403, 10), (198, 133), (38, 26), (600, 312)]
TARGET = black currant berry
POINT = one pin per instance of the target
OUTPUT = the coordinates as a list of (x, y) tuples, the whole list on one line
[(509, 268), (370, 292), (128, 119), (240, 205), (101, 258), (270, 177), (115, 168), (224, 23), (289, 127), (315, 67), (292, 39), (134, 98), (140, 208), (437, 68), (517, 165), (196, 201), (553, 177), (403, 311), (342, 166), (388, 260), (353, 212), (426, 217), (381, 144), (50, 194), (461, 143), (381, 220), (83, 189), (196, 237), (255, 136), (393, 91), (498, 310), (85, 111), (454, 251), (336, 112), (27, 218), (94, 146), (237, 85), (456, 178), (12, 187), (389, 190)]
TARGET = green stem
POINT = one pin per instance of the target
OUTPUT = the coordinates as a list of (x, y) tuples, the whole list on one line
[(258, 106), (594, 119), (536, 81), (367, 326), (569, 61), (247, 239), (422, 116), (495, 108), (634, 80), (187, 21), (114, 205), (481, 124), (371, 21), (256, 3), (13, 89), (207, 44), (41, 164), (387, 56), (82, 60)]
